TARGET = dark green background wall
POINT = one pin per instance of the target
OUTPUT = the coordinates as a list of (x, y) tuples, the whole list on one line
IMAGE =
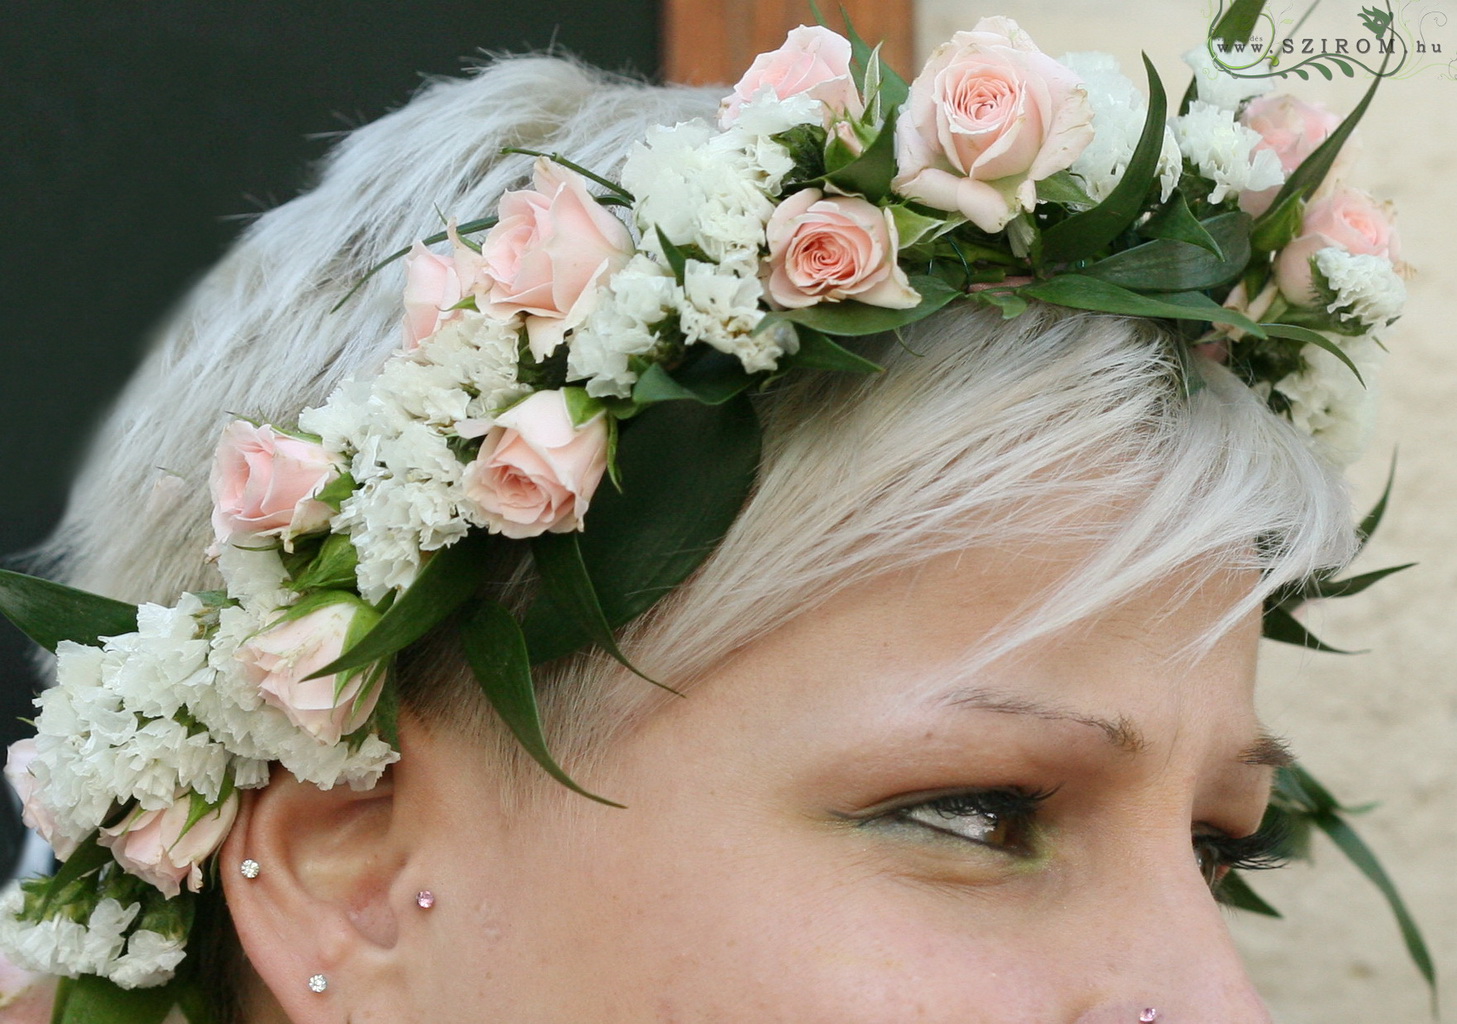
[(138, 135)]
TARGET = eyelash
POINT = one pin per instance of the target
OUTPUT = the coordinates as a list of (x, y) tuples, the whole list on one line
[(1263, 850)]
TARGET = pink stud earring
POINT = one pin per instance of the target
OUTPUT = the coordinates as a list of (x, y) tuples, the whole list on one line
[(425, 899), (1148, 1016)]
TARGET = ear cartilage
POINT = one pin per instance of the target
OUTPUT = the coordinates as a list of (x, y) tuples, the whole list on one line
[(318, 983), (249, 868)]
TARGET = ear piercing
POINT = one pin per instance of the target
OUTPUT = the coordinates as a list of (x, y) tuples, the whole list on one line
[(318, 983), (249, 868), (425, 899), (1148, 1016)]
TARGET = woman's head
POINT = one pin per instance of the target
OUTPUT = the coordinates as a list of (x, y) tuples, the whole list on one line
[(1013, 578)]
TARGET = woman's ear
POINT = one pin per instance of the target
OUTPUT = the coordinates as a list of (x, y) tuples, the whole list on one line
[(321, 902)]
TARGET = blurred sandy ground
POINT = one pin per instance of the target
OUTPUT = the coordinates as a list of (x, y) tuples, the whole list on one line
[(1379, 726)]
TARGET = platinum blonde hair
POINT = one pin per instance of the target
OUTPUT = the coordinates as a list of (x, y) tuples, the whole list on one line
[(981, 433)]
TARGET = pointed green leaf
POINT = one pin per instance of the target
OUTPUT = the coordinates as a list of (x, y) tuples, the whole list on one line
[(448, 579), (1282, 626), (51, 612), (1378, 511), (911, 226), (675, 256), (336, 490), (712, 380), (558, 558), (333, 568), (1238, 23), (1355, 584), (1063, 189), (496, 651), (94, 1000), (1236, 892), (1175, 221), (1359, 854), (870, 173), (893, 88), (1167, 265), (562, 161), (686, 470), (1306, 178), (1083, 234), (86, 858), (817, 352), (1078, 292), (1305, 334), (1279, 225), (852, 319)]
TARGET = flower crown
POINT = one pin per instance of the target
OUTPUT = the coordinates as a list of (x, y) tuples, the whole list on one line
[(557, 345)]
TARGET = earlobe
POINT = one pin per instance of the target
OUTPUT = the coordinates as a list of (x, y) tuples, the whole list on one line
[(320, 902)]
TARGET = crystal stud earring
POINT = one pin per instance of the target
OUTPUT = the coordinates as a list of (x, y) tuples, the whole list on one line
[(425, 899), (1148, 1016), (249, 868), (318, 983)]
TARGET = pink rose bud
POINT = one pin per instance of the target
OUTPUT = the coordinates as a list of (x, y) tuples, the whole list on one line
[(549, 254), (264, 484), (33, 810), (280, 659), (987, 118), (1346, 219), (154, 846), (537, 471), (813, 61), (1291, 129), (826, 250), (432, 287)]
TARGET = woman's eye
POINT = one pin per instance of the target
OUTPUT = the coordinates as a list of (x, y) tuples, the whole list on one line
[(1002, 819), (1217, 854)]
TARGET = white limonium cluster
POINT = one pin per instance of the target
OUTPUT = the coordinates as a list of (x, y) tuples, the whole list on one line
[(1367, 287), (1327, 401), (1119, 110), (1225, 151), (99, 944)]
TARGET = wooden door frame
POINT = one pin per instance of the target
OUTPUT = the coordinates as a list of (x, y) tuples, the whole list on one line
[(714, 41)]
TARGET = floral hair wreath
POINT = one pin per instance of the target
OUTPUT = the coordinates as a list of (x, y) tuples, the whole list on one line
[(557, 345)]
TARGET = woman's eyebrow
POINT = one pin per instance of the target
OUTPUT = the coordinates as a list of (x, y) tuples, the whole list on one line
[(1120, 731), (1269, 751)]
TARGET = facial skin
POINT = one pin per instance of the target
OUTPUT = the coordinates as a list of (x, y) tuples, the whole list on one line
[(773, 865)]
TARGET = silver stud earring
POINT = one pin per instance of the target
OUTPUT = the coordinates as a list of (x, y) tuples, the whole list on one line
[(318, 983), (249, 868), (425, 899), (1148, 1016)]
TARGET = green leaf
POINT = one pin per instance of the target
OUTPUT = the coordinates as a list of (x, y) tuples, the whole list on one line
[(1279, 225), (469, 227), (1236, 892), (1359, 854), (713, 384), (1083, 234), (1063, 189), (1352, 585), (86, 858), (1238, 23), (336, 490), (686, 470), (1306, 178), (448, 579), (1078, 292), (1280, 625), (1168, 265), (557, 158), (893, 88), (558, 557), (1378, 511), (333, 568), (817, 352), (1176, 222), (870, 173), (853, 319), (582, 408), (94, 1000), (1305, 334), (911, 226), (51, 612), (1008, 301), (496, 651), (677, 259)]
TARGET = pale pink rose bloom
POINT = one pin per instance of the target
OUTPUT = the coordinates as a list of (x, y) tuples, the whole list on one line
[(829, 249), (1346, 219), (536, 472), (813, 61), (153, 846), (280, 659), (33, 810), (432, 287), (549, 255), (25, 998), (264, 483), (988, 117), (1291, 129)]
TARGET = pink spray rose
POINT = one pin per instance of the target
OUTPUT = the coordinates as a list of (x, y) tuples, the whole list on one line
[(264, 484), (1291, 129), (1346, 219), (536, 471), (551, 251), (280, 659), (153, 846), (813, 61), (988, 117), (825, 250), (432, 287), (33, 809)]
